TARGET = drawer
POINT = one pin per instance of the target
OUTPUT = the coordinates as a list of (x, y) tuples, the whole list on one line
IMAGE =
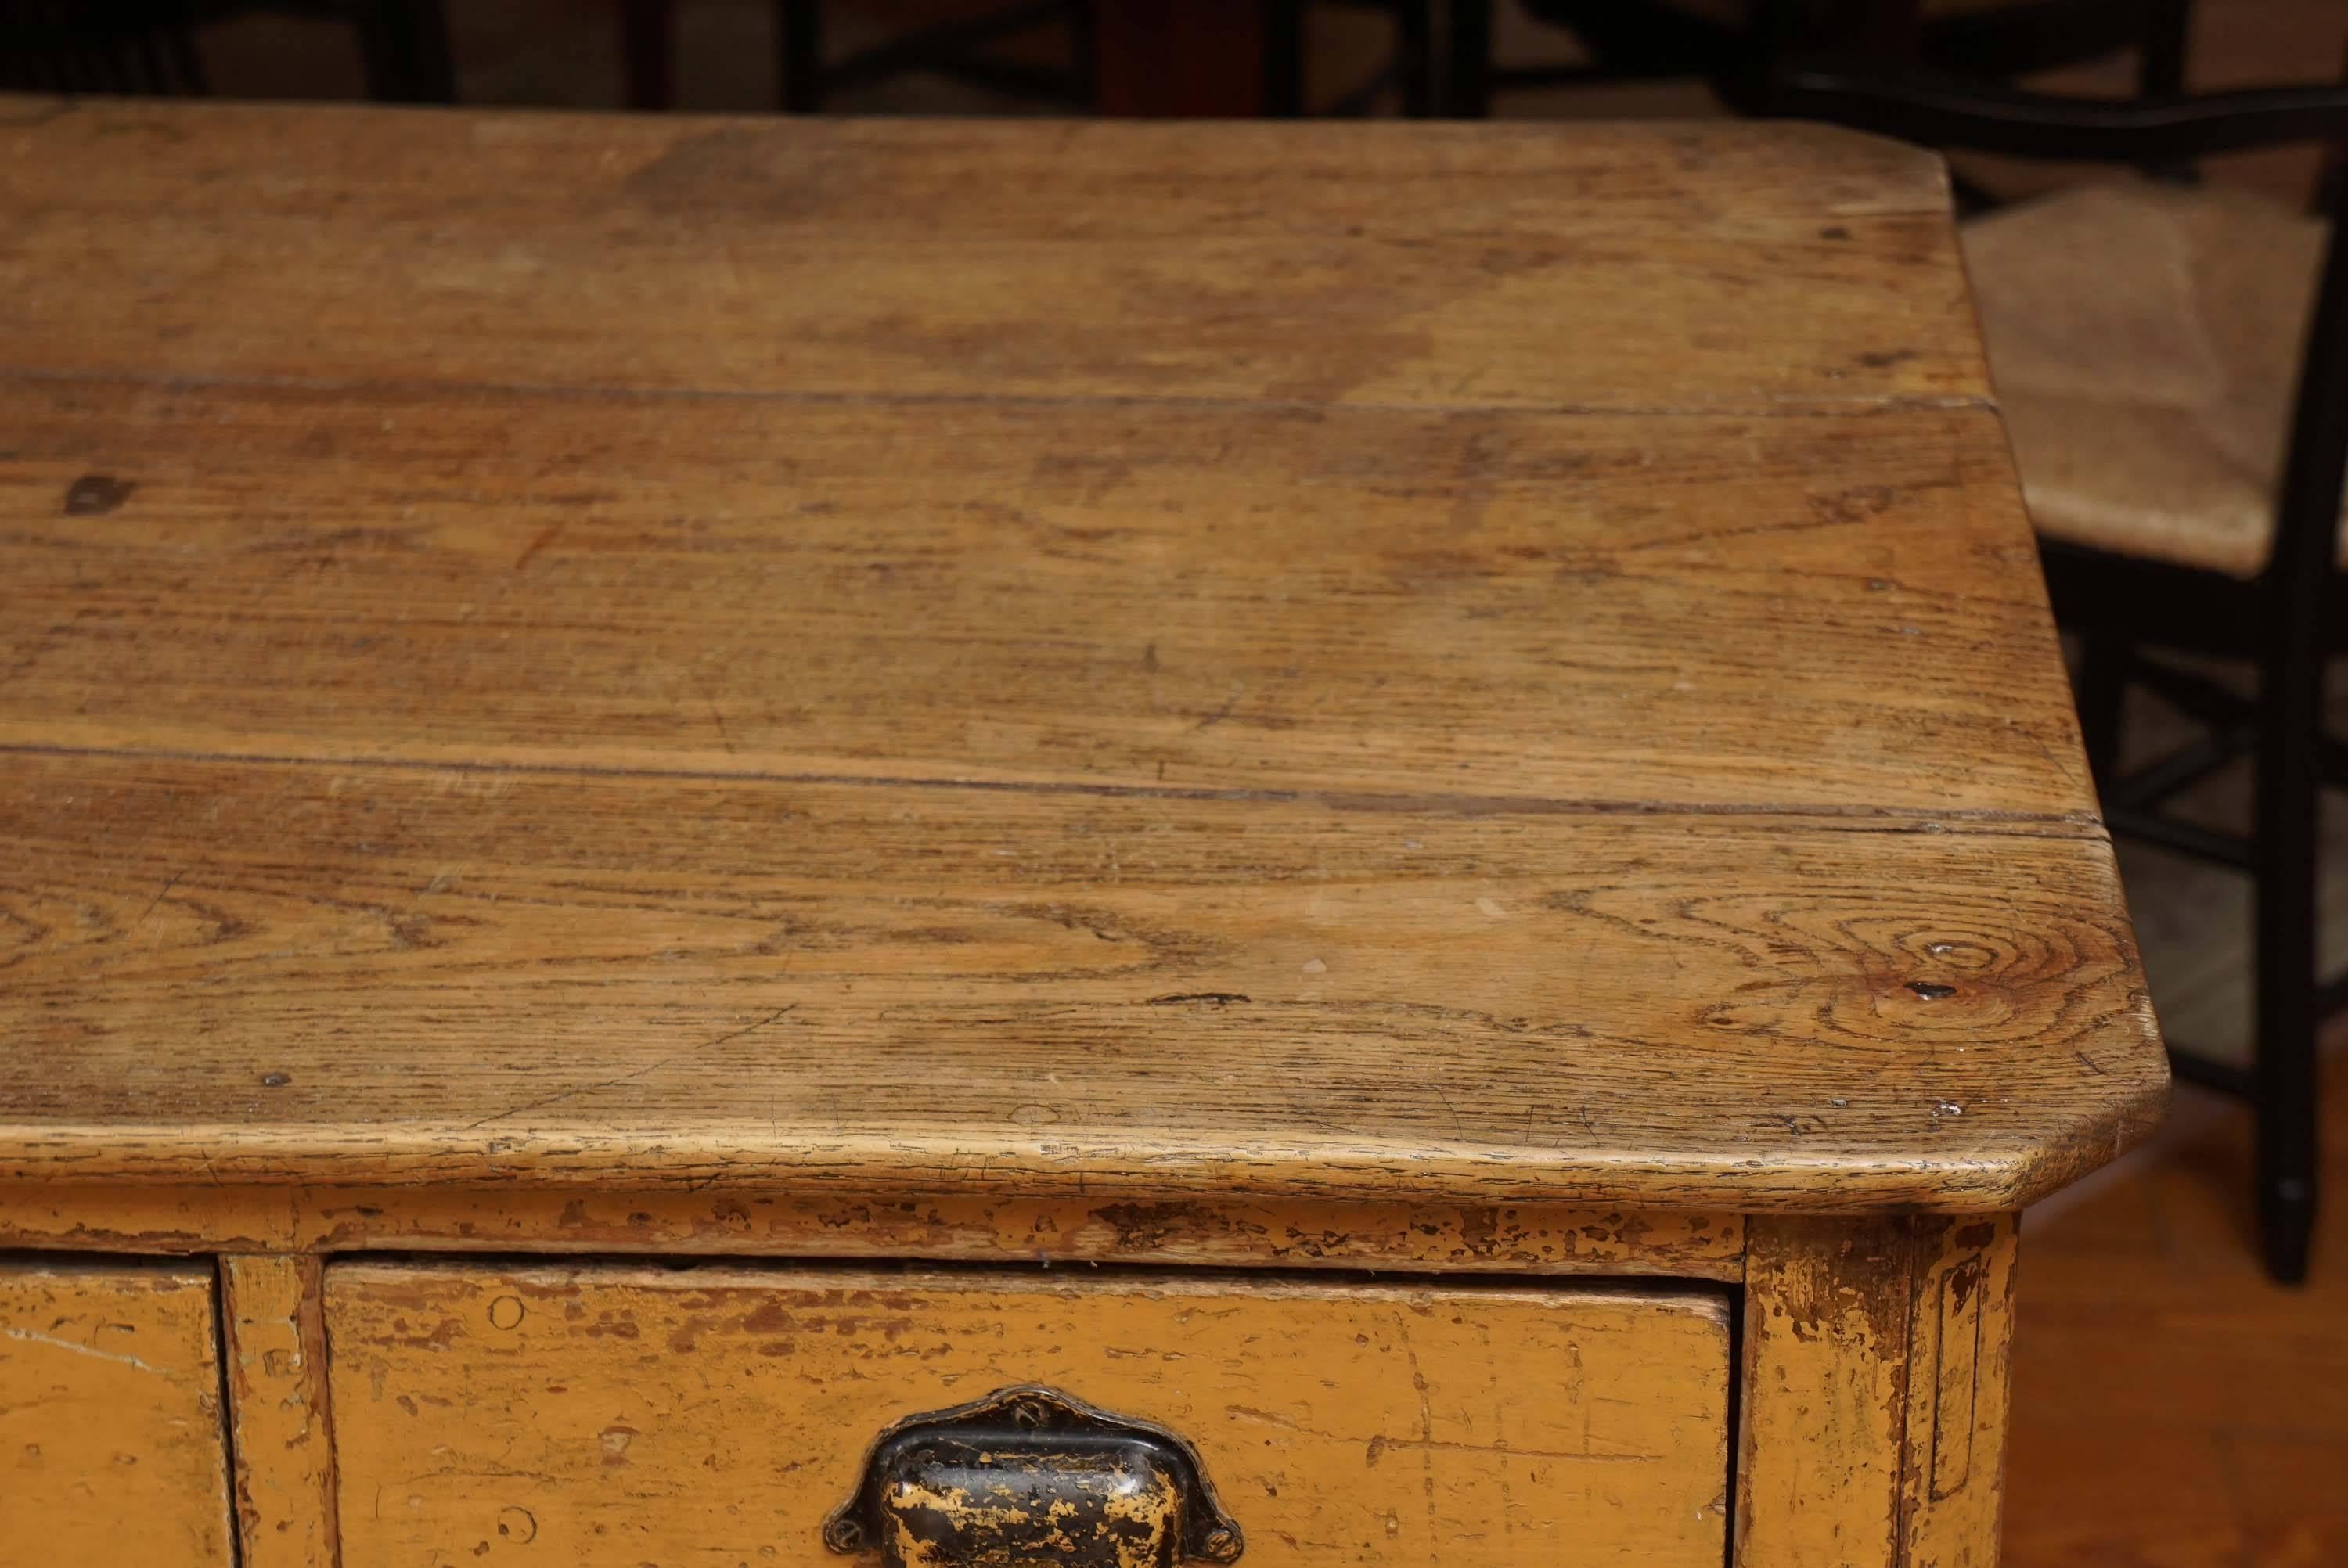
[(609, 1417), (112, 1446)]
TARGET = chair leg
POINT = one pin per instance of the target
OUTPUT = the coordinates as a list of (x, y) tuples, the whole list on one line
[(1284, 59), (405, 45), (647, 39), (1415, 55), (2103, 691), (2162, 57), (798, 31), (1084, 45), (1468, 81), (2168, 39), (2283, 1078)]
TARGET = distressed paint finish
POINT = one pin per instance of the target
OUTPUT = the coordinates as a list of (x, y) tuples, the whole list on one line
[(1513, 1239), (1961, 1362), (1823, 1419), (1074, 1510), (617, 1415), (1876, 1360), (276, 1348), (112, 1451), (1030, 1475)]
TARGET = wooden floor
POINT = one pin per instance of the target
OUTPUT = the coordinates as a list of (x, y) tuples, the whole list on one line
[(2172, 1408)]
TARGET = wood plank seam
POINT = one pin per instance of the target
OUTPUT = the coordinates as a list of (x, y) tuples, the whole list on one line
[(1812, 405), (1824, 816)]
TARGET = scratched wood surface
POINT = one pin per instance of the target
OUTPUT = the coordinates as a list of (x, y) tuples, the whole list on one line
[(431, 975), (1794, 267), (614, 1416), (1320, 663), (112, 1449), (1839, 610)]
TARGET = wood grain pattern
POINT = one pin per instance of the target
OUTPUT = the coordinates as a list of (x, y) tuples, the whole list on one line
[(1513, 1239), (271, 1317), (1840, 611), (111, 1443), (614, 1416), (1475, 665), (1433, 266), (331, 974)]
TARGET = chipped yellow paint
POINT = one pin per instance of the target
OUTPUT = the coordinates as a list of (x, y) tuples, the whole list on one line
[(1876, 1361), (1963, 1309), (1825, 1337), (1514, 1238), (111, 1449), (615, 1415), (277, 1409)]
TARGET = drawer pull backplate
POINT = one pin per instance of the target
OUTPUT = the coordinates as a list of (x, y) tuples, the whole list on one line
[(1028, 1476)]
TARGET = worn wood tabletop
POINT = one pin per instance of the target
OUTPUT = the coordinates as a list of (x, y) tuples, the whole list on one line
[(1473, 662)]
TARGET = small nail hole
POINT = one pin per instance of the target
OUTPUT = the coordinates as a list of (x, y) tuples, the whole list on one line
[(276, 1079), (1931, 990)]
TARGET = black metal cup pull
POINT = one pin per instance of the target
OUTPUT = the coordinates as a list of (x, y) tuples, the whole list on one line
[(1029, 1478)]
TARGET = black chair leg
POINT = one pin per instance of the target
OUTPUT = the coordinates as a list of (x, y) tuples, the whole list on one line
[(405, 46), (798, 30), (2283, 1078), (647, 39), (2103, 690), (1415, 55), (1467, 78), (2167, 37), (1083, 43), (1284, 59), (2161, 66)]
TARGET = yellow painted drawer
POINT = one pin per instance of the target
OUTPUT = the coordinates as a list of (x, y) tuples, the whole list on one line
[(609, 1417), (113, 1450)]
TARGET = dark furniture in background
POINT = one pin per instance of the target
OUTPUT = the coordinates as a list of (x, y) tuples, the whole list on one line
[(1652, 39), (148, 47), (957, 49), (1126, 57), (2195, 586)]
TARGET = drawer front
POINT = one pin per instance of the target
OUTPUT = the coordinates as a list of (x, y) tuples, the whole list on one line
[(112, 1446), (712, 1417)]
